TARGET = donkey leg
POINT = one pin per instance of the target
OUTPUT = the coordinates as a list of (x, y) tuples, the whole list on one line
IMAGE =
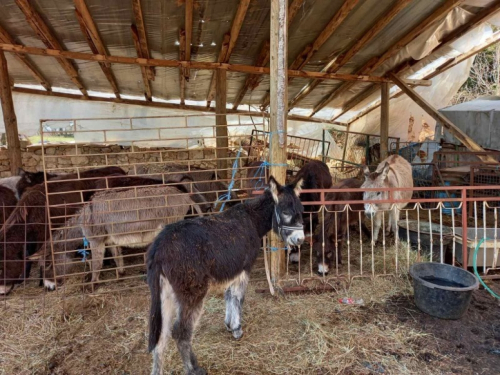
[(116, 252), (377, 223), (168, 311), (238, 289), (395, 218), (228, 297), (189, 315), (98, 250)]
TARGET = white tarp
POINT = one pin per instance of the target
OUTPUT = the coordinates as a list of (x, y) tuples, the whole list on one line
[(444, 86), (31, 108)]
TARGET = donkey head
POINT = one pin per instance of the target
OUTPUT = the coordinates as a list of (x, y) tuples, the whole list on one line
[(56, 260), (288, 211), (373, 180)]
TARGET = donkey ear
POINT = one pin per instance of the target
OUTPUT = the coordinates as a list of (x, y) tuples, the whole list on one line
[(385, 171), (297, 187), (275, 188), (366, 171)]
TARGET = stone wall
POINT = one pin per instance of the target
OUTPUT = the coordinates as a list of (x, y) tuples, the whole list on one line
[(68, 157)]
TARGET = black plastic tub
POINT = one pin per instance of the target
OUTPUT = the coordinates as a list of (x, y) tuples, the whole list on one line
[(442, 290), (413, 227)]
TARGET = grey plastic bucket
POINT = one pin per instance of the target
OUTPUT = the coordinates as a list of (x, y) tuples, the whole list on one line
[(442, 290)]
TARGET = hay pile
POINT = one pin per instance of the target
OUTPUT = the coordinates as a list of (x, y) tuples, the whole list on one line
[(295, 334)]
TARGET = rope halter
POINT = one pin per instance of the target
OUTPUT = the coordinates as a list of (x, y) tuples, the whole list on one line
[(285, 227)]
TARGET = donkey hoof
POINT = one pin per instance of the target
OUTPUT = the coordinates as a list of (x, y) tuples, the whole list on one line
[(294, 257), (198, 371), (238, 333), (49, 285), (228, 327)]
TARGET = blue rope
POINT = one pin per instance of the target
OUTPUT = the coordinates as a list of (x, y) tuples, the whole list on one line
[(273, 249), (260, 172), (83, 252), (227, 196)]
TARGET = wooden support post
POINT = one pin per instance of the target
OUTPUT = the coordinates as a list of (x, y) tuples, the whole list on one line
[(221, 124), (9, 117), (344, 151), (182, 56), (278, 115), (451, 127), (384, 121)]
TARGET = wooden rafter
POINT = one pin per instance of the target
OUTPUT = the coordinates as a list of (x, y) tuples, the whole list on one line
[(148, 92), (434, 113), (188, 28), (335, 64), (369, 68), (182, 56), (252, 81), (228, 46), (45, 34), (303, 57), (141, 32), (94, 41), (70, 55), (223, 52), (477, 20), (164, 105), (25, 61), (440, 69)]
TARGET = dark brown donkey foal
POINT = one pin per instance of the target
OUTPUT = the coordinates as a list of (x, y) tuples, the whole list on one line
[(190, 255)]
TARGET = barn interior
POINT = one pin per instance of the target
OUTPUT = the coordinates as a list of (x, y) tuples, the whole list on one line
[(228, 93)]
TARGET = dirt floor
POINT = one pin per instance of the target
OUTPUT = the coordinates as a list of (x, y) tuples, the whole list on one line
[(291, 334)]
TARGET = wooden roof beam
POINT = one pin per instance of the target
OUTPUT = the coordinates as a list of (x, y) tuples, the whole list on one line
[(476, 21), (25, 61), (228, 45), (143, 40), (440, 69), (188, 28), (373, 64), (45, 34), (94, 41), (434, 113), (338, 62), (305, 56), (200, 65), (252, 81), (148, 92), (223, 52)]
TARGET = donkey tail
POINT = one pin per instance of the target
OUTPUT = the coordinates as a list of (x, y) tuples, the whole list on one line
[(155, 318)]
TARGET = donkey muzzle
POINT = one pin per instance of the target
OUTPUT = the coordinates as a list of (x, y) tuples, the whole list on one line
[(296, 238)]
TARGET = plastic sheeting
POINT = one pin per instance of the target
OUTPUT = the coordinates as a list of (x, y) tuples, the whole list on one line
[(444, 86), (212, 18), (479, 119), (41, 107)]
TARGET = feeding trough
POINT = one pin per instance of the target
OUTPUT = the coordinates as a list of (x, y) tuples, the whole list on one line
[(430, 236), (442, 290)]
